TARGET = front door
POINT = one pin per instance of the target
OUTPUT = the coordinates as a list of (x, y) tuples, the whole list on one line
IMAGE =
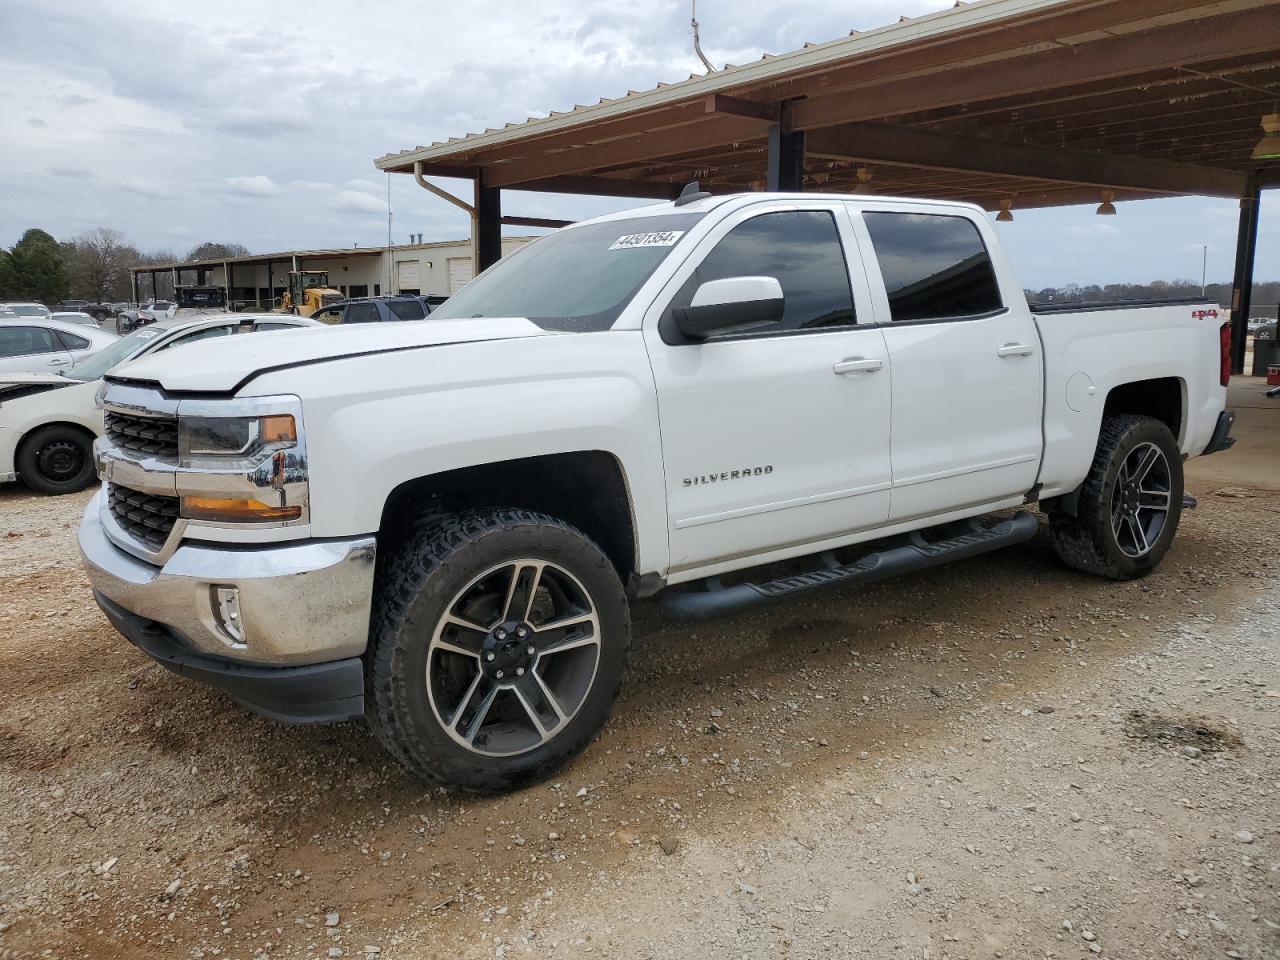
[(776, 438), (967, 366)]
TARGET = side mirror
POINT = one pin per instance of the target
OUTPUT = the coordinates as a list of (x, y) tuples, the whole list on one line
[(732, 305)]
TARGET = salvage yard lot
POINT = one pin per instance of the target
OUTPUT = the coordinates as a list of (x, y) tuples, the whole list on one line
[(998, 758)]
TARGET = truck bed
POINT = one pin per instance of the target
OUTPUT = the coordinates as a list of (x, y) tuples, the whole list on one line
[(1174, 341)]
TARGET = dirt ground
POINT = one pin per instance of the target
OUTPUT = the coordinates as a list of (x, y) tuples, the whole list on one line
[(996, 759)]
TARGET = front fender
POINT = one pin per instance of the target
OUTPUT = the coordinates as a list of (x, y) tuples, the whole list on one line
[(424, 412)]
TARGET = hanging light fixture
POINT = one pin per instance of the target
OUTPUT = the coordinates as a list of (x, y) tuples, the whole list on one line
[(1107, 207), (1268, 147), (1006, 210), (864, 181)]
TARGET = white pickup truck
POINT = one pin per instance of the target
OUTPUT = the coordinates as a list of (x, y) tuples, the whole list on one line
[(439, 525)]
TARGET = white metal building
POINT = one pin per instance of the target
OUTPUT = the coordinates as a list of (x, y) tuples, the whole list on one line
[(260, 280)]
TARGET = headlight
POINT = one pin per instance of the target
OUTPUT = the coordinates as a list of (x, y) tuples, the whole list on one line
[(247, 465), (219, 441), (99, 394)]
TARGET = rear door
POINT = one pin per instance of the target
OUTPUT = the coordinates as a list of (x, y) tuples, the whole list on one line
[(776, 439), (967, 365), (35, 349)]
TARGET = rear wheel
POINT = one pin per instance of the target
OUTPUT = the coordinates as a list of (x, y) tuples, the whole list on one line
[(1129, 505), (498, 648), (56, 459)]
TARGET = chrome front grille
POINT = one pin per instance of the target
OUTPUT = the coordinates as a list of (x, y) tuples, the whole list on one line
[(147, 518), (147, 436)]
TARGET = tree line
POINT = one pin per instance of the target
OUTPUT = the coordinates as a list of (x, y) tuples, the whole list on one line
[(93, 266), (1264, 294)]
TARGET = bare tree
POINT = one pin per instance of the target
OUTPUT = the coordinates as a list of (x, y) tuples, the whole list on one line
[(99, 262)]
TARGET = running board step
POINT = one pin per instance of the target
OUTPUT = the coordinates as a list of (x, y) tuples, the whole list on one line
[(967, 539)]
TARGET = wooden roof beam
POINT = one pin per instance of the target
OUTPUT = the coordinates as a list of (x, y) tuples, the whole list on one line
[(1236, 34), (1110, 94), (720, 103), (712, 134), (909, 146)]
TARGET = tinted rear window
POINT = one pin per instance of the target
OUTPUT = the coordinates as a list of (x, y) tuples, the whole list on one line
[(934, 266)]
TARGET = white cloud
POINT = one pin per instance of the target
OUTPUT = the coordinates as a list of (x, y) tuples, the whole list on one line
[(255, 186), (353, 201)]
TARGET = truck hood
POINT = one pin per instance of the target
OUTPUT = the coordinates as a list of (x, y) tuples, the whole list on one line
[(223, 364)]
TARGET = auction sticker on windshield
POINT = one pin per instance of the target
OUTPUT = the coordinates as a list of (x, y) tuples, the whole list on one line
[(664, 238)]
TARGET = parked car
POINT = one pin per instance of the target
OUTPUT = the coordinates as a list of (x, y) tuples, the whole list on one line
[(28, 309), (376, 309), (438, 525), (159, 309), (75, 317), (70, 306), (48, 421), (31, 344)]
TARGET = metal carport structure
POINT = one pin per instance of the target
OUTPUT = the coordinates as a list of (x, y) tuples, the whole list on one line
[(1015, 103)]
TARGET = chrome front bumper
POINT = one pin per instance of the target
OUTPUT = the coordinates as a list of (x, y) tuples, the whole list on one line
[(300, 602)]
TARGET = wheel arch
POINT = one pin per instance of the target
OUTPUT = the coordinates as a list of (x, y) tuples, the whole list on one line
[(35, 428), (1161, 398), (586, 488)]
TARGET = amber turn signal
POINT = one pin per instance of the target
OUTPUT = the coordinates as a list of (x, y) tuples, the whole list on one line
[(238, 511), (277, 428)]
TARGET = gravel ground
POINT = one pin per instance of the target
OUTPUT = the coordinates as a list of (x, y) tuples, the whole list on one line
[(996, 759)]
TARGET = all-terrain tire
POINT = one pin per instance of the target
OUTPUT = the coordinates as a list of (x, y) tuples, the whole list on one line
[(1088, 541), (421, 582), (56, 459)]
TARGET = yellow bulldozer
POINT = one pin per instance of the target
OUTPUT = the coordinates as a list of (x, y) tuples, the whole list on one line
[(308, 291)]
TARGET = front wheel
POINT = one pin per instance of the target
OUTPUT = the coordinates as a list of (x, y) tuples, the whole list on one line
[(1129, 504), (498, 647), (56, 459)]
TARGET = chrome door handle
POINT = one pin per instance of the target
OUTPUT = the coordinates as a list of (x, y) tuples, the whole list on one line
[(59, 362), (1015, 350), (857, 365)]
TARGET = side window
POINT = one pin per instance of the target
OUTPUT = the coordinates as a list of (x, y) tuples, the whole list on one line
[(361, 313), (205, 334), (935, 267), (801, 250), (328, 315), (23, 341), (275, 325), (407, 309), (70, 341)]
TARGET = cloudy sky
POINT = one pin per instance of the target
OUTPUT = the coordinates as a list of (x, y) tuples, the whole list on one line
[(259, 123)]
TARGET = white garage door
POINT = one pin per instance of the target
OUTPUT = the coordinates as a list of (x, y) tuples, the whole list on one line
[(459, 273), (408, 276)]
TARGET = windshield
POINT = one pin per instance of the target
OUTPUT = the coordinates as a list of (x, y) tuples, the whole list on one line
[(578, 280), (29, 309), (96, 364)]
